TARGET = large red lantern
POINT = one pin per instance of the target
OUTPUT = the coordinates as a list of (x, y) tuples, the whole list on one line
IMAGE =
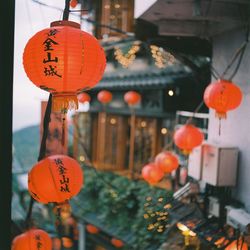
[(117, 243), (167, 161), (132, 98), (65, 61), (84, 97), (236, 245), (92, 229), (56, 178), (31, 240), (222, 96), (152, 173), (188, 137), (104, 96)]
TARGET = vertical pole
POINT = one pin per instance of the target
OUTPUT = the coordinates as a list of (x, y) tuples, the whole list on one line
[(7, 14), (82, 236), (66, 10), (132, 144)]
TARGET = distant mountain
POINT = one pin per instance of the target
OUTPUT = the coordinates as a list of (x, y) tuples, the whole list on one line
[(26, 146)]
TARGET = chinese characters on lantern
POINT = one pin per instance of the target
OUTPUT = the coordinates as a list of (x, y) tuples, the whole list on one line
[(62, 172), (50, 69), (39, 243)]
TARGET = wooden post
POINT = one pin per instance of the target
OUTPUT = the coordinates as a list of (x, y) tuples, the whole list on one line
[(7, 13), (132, 144)]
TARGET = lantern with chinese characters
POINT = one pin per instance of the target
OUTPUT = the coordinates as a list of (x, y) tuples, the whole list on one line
[(188, 137), (222, 96), (31, 240), (84, 97), (167, 161), (132, 98), (56, 179), (152, 173), (92, 229), (104, 96), (65, 61), (236, 245), (117, 243)]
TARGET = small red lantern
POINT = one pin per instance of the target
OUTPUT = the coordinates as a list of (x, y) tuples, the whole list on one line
[(56, 178), (73, 3), (65, 61), (104, 96), (132, 98), (84, 97), (92, 229), (117, 243), (152, 173), (222, 96), (188, 137), (31, 239), (235, 245), (167, 161), (67, 242)]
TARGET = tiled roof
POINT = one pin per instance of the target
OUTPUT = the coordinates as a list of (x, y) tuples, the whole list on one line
[(151, 78)]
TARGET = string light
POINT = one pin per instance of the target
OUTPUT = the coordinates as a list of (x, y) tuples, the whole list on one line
[(129, 57), (162, 58)]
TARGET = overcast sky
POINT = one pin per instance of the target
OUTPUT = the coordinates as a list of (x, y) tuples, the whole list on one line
[(30, 18)]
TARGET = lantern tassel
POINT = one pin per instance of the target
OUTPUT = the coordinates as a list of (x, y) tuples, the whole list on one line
[(63, 103), (63, 129)]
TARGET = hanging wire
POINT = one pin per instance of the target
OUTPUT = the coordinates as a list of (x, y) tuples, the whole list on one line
[(42, 154)]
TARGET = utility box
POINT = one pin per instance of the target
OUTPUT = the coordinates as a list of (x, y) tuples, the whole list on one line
[(195, 163), (219, 165)]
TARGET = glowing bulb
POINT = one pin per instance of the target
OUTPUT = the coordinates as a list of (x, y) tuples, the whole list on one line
[(164, 131), (170, 92), (143, 124), (81, 158)]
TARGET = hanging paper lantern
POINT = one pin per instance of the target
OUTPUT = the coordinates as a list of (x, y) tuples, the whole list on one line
[(152, 173), (84, 97), (73, 3), (56, 178), (92, 229), (56, 242), (32, 239), (67, 242), (117, 243), (167, 161), (132, 98), (235, 246), (222, 96), (104, 96), (65, 61), (188, 137)]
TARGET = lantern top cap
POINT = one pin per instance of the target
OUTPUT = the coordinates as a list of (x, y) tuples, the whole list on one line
[(65, 23)]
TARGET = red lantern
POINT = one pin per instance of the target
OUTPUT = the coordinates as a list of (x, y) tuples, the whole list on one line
[(67, 242), (235, 246), (132, 97), (152, 173), (92, 229), (117, 243), (65, 61), (167, 161), (84, 97), (222, 96), (56, 178), (73, 3), (104, 96), (188, 137), (31, 239)]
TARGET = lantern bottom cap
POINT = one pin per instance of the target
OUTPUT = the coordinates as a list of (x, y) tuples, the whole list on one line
[(221, 115), (64, 102)]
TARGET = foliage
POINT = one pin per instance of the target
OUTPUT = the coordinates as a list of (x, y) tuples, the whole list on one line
[(117, 206)]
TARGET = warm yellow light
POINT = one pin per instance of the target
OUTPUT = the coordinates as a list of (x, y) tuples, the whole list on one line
[(182, 227), (107, 6), (170, 92), (113, 121), (143, 124), (117, 6), (81, 158), (164, 131)]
